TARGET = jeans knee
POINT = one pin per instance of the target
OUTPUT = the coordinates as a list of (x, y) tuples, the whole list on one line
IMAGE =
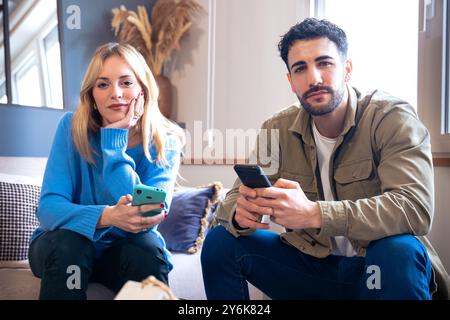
[(404, 268), (398, 247), (69, 246), (400, 252), (216, 245), (57, 250), (140, 255), (144, 256)]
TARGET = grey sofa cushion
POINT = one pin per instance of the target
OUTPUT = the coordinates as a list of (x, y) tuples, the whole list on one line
[(21, 284), (185, 280), (18, 284)]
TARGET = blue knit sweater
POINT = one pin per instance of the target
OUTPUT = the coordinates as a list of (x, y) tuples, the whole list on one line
[(74, 192)]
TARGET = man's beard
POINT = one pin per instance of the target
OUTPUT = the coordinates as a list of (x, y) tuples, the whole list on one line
[(336, 99)]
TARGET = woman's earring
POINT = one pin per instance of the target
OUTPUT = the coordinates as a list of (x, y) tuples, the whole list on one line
[(95, 106)]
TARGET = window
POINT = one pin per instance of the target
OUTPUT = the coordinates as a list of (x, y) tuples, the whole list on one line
[(445, 110), (26, 81), (3, 97), (383, 42), (390, 51), (36, 72), (31, 66), (53, 70)]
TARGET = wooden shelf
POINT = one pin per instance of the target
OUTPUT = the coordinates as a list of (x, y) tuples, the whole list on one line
[(213, 162), (441, 159)]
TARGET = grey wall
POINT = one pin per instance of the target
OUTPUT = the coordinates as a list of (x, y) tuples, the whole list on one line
[(28, 131), (78, 45)]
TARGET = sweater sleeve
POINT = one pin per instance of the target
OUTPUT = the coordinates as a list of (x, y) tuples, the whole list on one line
[(164, 176), (57, 209), (119, 169)]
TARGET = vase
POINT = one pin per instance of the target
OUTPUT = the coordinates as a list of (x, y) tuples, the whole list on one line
[(165, 95)]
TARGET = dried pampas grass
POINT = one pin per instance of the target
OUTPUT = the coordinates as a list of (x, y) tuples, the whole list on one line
[(171, 19)]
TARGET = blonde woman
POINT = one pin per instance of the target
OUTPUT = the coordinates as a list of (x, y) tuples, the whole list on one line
[(116, 139)]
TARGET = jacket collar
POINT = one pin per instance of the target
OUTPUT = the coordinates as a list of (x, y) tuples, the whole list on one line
[(302, 123)]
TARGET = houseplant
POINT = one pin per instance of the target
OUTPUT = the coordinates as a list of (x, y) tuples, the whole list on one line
[(156, 38)]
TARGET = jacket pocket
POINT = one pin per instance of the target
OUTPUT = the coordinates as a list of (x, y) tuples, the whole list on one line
[(352, 172), (354, 180), (306, 182)]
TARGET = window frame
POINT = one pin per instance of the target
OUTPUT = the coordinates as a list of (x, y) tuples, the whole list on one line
[(4, 7), (445, 102)]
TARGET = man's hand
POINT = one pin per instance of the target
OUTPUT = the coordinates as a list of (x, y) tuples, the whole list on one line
[(248, 214), (134, 114), (287, 205)]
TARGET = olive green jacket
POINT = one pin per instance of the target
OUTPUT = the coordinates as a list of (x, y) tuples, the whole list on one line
[(380, 171)]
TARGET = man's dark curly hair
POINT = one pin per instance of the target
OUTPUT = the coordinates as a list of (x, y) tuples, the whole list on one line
[(312, 28)]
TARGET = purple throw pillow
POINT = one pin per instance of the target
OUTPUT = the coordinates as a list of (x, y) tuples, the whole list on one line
[(189, 217)]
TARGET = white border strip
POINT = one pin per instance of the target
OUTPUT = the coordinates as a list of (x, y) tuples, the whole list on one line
[(211, 69)]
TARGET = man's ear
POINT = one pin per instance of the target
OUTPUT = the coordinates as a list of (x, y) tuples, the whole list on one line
[(348, 70)]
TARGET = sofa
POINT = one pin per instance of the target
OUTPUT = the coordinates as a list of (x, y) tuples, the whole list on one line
[(185, 228)]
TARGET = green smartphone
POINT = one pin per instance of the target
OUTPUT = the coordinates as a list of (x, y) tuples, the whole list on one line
[(143, 194)]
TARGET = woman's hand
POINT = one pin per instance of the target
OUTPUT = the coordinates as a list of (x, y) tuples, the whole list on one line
[(134, 114), (129, 218)]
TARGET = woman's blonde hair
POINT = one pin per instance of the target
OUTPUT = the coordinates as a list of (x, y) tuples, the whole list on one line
[(153, 126)]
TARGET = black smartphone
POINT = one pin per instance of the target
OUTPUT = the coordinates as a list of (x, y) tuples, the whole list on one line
[(252, 176)]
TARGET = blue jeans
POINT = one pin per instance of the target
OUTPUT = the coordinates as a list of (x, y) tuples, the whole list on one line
[(132, 258), (395, 267)]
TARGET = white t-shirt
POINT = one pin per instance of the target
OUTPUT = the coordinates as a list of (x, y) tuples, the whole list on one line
[(340, 245)]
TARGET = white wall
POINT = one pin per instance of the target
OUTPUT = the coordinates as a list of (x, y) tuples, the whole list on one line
[(197, 175), (188, 71), (440, 235), (24, 166), (249, 78)]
